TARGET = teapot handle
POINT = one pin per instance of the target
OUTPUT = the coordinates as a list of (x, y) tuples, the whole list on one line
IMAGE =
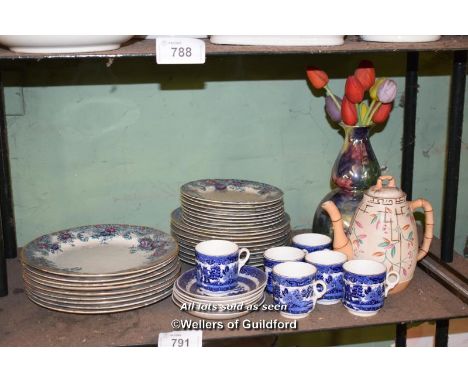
[(391, 181), (428, 226)]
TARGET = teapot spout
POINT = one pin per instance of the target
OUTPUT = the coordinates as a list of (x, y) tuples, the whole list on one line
[(341, 242)]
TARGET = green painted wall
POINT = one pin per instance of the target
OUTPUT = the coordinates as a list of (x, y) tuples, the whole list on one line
[(102, 143)]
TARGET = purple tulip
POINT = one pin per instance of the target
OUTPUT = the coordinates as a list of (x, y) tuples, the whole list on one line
[(387, 91), (332, 109)]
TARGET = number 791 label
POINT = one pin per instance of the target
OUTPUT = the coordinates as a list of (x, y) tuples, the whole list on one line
[(178, 50), (181, 339)]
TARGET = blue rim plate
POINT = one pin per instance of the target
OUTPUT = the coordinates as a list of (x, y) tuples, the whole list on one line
[(251, 280)]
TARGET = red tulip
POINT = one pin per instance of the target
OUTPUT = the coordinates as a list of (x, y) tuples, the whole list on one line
[(348, 112), (354, 90), (318, 78), (382, 113), (365, 73)]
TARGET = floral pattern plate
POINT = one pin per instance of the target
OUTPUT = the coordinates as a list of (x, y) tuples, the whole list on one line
[(101, 310), (232, 191), (95, 250), (147, 279)]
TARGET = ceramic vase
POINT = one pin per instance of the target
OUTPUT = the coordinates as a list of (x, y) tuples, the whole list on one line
[(356, 169)]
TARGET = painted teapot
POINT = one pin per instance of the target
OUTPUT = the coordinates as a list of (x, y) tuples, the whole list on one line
[(383, 228)]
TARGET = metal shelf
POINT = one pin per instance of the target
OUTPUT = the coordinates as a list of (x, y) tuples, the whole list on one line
[(146, 48)]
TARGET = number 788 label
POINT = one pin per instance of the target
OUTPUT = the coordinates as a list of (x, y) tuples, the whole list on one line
[(178, 50)]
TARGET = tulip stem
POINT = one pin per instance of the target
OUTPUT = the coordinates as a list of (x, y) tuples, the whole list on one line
[(358, 115), (366, 117), (374, 111), (330, 93)]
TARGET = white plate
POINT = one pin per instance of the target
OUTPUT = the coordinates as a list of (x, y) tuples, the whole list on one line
[(193, 239), (198, 226), (151, 277), (236, 210), (62, 43), (103, 310), (79, 300), (311, 40), (401, 38), (160, 279), (103, 280), (237, 207)]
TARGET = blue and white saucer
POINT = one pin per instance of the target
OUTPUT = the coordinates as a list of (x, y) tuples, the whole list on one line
[(251, 281)]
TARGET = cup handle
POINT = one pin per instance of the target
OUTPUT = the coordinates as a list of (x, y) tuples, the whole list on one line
[(245, 259), (318, 294), (389, 285)]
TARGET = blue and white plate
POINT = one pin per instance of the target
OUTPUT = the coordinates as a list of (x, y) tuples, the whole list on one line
[(223, 314), (103, 249), (232, 191), (251, 280)]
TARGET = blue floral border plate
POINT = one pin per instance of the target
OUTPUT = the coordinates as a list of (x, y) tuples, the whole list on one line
[(232, 191), (99, 250)]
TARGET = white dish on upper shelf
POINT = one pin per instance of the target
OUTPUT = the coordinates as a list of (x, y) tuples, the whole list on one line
[(401, 38), (62, 43), (311, 40)]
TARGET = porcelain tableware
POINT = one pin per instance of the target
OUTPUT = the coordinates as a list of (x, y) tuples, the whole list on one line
[(295, 287), (97, 269), (329, 266), (102, 310), (232, 191), (366, 284), (223, 315), (383, 228), (312, 242), (401, 38), (251, 280), (276, 255), (62, 43), (289, 40), (218, 264), (99, 250)]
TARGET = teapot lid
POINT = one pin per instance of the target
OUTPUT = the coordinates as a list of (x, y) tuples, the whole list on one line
[(388, 191)]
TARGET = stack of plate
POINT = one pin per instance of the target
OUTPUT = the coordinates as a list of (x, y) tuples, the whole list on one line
[(251, 214), (246, 297), (102, 268)]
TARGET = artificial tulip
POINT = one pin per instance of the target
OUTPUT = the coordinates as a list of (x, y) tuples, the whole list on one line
[(387, 91), (365, 73), (382, 113), (318, 78), (332, 109), (348, 112), (375, 87), (354, 90)]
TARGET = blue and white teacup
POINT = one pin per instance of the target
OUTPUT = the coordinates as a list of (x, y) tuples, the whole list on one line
[(312, 242), (218, 263), (367, 283), (276, 255), (295, 288), (329, 266)]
